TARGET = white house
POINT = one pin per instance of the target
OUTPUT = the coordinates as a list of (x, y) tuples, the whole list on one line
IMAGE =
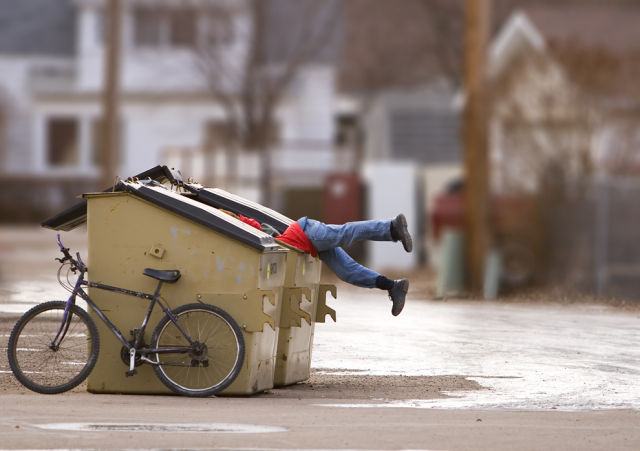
[(564, 88), (51, 69), (564, 124)]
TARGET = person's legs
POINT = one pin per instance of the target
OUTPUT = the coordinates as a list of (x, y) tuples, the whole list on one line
[(328, 236), (328, 239), (347, 269)]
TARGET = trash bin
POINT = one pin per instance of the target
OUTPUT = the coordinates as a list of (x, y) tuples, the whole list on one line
[(303, 304), (303, 297), (223, 262)]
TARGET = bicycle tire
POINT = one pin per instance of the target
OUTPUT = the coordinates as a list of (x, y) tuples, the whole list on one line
[(44, 330), (228, 356)]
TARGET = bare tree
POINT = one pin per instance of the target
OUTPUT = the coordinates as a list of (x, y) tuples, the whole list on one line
[(446, 21), (399, 44), (396, 45), (278, 38)]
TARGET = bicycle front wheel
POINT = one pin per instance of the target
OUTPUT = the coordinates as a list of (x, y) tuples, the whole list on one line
[(209, 366), (44, 367)]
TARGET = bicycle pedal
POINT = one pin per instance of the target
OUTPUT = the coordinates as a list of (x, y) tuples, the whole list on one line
[(131, 373)]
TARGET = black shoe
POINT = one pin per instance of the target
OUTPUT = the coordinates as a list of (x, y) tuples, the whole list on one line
[(397, 295), (400, 232)]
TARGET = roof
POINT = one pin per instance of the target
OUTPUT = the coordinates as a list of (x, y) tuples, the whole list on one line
[(37, 27)]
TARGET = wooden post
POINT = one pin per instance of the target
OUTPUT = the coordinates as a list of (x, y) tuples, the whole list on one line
[(475, 139), (111, 93)]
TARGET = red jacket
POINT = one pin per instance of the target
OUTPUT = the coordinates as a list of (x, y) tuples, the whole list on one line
[(294, 236), (252, 222)]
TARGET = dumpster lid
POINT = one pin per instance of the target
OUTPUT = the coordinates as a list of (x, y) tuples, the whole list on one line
[(76, 215), (220, 198), (198, 212)]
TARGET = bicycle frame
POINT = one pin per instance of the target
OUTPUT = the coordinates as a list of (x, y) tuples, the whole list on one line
[(153, 298)]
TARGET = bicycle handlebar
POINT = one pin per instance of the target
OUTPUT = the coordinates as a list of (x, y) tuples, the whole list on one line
[(77, 263)]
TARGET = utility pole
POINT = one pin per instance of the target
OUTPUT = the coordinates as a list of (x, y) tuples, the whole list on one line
[(111, 93), (475, 139)]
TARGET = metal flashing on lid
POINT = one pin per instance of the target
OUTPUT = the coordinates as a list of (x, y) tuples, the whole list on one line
[(220, 198), (76, 215), (203, 214)]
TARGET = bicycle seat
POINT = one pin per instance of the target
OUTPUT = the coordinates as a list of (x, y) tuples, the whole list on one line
[(169, 276)]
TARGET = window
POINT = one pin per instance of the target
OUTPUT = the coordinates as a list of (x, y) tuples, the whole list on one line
[(218, 27), (347, 131), (62, 142), (425, 136), (102, 27), (182, 28), (155, 27), (148, 27)]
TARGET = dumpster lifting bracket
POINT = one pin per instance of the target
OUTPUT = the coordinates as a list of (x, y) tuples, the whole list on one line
[(292, 314), (323, 310)]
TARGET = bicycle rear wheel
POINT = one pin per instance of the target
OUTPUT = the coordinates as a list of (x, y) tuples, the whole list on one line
[(213, 364), (47, 369)]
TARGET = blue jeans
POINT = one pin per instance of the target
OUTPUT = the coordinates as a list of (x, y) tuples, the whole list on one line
[(328, 239)]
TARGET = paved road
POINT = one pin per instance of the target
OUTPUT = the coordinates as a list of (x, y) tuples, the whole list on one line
[(529, 356), (553, 376), (301, 424)]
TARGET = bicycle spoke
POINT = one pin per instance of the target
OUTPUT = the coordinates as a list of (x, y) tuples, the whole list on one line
[(199, 334), (210, 329), (213, 332)]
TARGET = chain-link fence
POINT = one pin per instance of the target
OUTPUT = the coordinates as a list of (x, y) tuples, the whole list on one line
[(594, 238)]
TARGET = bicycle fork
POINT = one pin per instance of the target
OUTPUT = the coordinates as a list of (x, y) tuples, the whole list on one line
[(66, 319)]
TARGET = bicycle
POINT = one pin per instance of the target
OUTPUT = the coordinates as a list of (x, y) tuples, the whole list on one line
[(197, 349)]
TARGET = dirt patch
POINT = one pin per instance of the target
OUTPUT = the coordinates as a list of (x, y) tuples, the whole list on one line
[(335, 384), (329, 383), (324, 383)]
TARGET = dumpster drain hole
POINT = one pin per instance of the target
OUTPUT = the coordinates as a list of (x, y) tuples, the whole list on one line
[(220, 428)]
